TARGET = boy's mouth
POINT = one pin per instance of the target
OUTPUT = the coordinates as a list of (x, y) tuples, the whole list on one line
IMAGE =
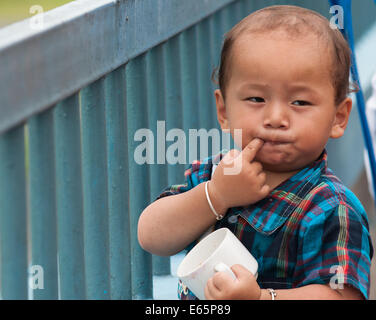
[(274, 143)]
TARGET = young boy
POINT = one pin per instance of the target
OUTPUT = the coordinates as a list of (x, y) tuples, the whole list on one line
[(283, 80)]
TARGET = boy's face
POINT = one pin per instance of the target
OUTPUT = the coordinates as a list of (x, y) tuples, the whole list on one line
[(279, 89)]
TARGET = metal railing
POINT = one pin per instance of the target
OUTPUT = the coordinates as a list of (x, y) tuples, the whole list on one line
[(74, 93), (72, 96)]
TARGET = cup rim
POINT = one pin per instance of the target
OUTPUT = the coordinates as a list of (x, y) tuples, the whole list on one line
[(178, 272)]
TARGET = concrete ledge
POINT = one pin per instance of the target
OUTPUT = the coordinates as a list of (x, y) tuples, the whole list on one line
[(165, 287)]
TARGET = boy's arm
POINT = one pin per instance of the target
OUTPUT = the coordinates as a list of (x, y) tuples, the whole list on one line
[(314, 292), (170, 224), (222, 287)]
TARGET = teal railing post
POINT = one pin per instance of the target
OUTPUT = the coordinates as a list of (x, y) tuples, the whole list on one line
[(139, 189), (156, 118), (205, 67), (13, 231), (94, 163), (43, 204), (215, 48), (173, 101), (118, 185), (189, 91), (69, 199)]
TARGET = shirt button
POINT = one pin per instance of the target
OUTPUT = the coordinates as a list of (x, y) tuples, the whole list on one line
[(232, 219)]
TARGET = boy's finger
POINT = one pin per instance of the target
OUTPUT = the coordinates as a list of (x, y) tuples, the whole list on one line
[(222, 280), (265, 189), (240, 271), (207, 292), (250, 150), (229, 156), (210, 290)]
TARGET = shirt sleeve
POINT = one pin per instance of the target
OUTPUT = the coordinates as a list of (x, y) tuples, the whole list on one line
[(197, 172), (336, 249), (180, 188)]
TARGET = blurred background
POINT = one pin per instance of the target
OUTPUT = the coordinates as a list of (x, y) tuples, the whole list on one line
[(16, 10)]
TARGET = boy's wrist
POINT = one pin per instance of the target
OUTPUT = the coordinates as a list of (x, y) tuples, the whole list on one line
[(265, 295), (216, 200)]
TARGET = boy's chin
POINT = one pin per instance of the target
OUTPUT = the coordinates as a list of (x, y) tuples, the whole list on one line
[(275, 163), (275, 168)]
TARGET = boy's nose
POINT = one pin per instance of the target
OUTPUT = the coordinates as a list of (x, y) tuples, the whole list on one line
[(276, 116)]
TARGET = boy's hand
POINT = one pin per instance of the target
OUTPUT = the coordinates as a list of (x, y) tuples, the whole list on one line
[(245, 187), (222, 287)]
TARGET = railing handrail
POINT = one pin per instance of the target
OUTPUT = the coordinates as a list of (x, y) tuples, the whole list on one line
[(36, 72)]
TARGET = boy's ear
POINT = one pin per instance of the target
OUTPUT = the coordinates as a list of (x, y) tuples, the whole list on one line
[(341, 118), (221, 109)]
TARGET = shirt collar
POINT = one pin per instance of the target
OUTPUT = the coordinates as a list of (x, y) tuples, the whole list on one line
[(270, 213), (311, 173)]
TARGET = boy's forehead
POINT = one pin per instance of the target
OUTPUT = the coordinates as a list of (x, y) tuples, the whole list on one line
[(277, 36), (279, 47), (298, 58)]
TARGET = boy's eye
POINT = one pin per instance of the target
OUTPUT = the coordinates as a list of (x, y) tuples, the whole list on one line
[(301, 103), (256, 99)]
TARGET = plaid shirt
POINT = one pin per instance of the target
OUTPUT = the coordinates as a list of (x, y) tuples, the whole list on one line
[(311, 229)]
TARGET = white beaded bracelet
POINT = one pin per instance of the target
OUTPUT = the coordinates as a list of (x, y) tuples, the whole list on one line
[(217, 216)]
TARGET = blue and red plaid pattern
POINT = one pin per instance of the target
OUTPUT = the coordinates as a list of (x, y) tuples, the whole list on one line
[(311, 229)]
